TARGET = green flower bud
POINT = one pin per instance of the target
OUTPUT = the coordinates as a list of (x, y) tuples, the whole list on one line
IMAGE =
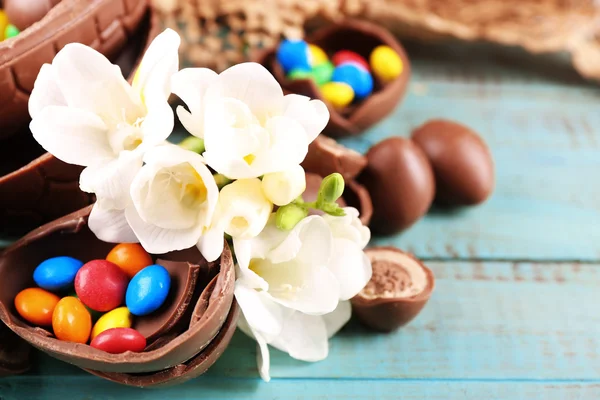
[(287, 217), (221, 180), (193, 143), (331, 189)]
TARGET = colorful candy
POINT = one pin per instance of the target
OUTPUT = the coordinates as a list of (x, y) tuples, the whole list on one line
[(298, 73), (347, 56), (36, 306), (101, 285), (119, 340), (338, 94), (358, 78), (130, 257), (317, 55), (386, 63), (71, 321), (10, 31), (293, 54), (148, 290), (117, 318), (3, 24), (57, 273), (322, 73)]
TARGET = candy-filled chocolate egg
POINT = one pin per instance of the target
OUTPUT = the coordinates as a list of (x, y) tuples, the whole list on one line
[(400, 181), (398, 290), (461, 161), (24, 13)]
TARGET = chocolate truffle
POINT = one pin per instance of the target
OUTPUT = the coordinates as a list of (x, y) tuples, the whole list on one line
[(461, 161), (398, 290), (361, 37), (177, 340), (24, 13), (326, 156), (400, 181)]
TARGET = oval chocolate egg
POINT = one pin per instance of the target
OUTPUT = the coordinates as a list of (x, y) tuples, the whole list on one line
[(461, 161), (24, 13), (400, 181)]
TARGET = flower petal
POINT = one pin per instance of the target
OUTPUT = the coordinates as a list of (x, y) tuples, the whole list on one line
[(158, 240), (263, 359), (350, 266), (211, 244), (160, 62), (283, 187), (111, 181), (251, 83), (261, 312), (303, 337), (72, 135), (313, 115), (110, 225), (90, 82), (288, 148), (190, 85), (45, 92), (158, 124), (335, 320)]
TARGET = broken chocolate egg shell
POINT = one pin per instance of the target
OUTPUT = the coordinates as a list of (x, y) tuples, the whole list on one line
[(105, 25), (325, 156), (397, 292), (70, 235), (401, 183), (14, 353), (461, 161), (360, 37), (35, 187), (355, 195)]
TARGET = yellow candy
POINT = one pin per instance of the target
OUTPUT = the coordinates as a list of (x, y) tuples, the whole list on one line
[(338, 94), (117, 318), (386, 64), (317, 55), (3, 24)]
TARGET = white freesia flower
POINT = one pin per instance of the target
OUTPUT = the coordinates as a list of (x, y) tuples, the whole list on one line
[(85, 113), (292, 288), (283, 187), (174, 196), (242, 212), (249, 127)]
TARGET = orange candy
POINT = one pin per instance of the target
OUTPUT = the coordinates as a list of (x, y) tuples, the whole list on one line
[(71, 321), (36, 306), (130, 257)]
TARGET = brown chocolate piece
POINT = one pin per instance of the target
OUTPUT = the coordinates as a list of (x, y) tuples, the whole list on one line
[(400, 181), (183, 282), (105, 25), (355, 195), (24, 13), (461, 161), (360, 37), (192, 368), (326, 156), (398, 290), (14, 353), (71, 236)]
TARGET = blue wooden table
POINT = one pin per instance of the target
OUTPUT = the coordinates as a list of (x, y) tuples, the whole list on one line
[(515, 312)]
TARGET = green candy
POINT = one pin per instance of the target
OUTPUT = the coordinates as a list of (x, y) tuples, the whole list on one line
[(323, 72), (299, 73), (10, 31)]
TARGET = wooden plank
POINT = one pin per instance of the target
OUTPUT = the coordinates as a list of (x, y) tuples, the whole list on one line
[(316, 389), (486, 321), (545, 141)]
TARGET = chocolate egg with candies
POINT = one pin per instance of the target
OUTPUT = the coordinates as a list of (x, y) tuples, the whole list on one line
[(57, 273), (148, 290), (119, 340)]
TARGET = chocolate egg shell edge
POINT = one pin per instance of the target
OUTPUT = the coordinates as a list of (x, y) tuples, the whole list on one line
[(71, 235), (365, 37)]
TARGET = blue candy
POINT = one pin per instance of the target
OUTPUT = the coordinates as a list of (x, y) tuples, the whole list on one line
[(148, 290), (358, 78), (293, 54), (57, 273)]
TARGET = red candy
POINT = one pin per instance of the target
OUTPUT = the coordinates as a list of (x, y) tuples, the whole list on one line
[(347, 56), (119, 340), (101, 285)]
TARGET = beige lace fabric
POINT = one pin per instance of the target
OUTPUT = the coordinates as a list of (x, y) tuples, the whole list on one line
[(219, 33)]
